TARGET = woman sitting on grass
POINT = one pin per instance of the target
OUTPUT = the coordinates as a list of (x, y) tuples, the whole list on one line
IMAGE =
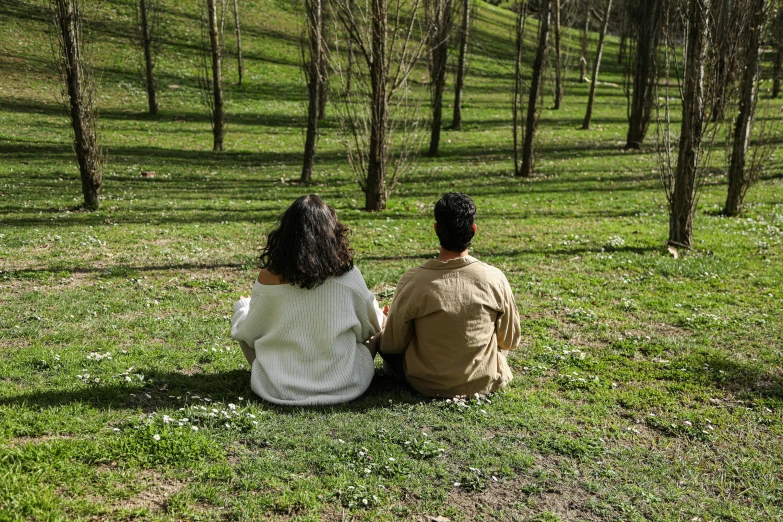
[(303, 327)]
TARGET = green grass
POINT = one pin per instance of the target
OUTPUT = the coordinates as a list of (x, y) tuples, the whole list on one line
[(645, 387)]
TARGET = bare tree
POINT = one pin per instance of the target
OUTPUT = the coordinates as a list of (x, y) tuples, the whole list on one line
[(379, 105), (596, 66), (584, 40), (622, 51), (642, 75), (238, 32), (147, 26), (313, 56), (440, 18), (462, 65), (723, 12), (69, 47), (212, 88), (681, 166), (558, 95), (323, 84), (741, 174), (535, 85), (518, 94), (777, 45), (682, 192), (349, 68)]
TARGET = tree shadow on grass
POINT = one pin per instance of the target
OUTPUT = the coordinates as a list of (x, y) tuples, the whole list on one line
[(115, 271), (20, 216), (487, 254), (168, 389), (30, 106), (742, 378), (124, 271), (161, 157)]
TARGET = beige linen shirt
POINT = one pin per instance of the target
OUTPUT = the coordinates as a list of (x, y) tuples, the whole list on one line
[(451, 319)]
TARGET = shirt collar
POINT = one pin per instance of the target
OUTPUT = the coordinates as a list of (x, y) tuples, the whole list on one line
[(459, 262)]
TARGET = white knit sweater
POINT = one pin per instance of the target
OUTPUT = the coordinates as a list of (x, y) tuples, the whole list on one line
[(308, 343)]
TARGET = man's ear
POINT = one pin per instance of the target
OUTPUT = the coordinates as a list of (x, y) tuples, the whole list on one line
[(474, 228), (435, 228)]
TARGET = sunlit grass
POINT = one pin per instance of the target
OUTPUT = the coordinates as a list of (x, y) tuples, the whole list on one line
[(645, 387)]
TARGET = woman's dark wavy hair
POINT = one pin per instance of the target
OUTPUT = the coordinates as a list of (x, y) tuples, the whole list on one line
[(309, 244), (455, 214)]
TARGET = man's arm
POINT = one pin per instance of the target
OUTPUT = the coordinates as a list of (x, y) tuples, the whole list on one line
[(508, 329), (399, 326)]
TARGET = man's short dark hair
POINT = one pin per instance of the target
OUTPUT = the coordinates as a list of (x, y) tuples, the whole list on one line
[(455, 214)]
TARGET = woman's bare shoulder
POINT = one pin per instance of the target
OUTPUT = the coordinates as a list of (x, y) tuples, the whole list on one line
[(265, 277)]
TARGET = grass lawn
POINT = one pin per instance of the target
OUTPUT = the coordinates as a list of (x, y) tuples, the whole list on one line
[(645, 387)]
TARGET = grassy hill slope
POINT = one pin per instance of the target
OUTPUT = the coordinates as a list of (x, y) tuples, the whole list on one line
[(645, 388)]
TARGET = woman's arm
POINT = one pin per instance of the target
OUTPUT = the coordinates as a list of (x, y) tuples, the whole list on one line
[(241, 309), (370, 316)]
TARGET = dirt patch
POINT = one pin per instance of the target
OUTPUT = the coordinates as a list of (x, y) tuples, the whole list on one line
[(658, 329), (43, 279), (155, 498), (515, 497), (156, 489), (568, 502), (13, 346), (21, 441)]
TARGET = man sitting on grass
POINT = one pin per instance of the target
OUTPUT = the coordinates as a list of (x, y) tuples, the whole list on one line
[(452, 316)]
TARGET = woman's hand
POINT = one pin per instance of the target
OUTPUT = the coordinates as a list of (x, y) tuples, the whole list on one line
[(372, 344)]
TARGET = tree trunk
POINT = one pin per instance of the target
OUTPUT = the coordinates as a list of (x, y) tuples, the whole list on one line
[(516, 100), (440, 17), (647, 17), (148, 57), (217, 78), (349, 68), (535, 84), (682, 207), (323, 70), (585, 39), (739, 178), (596, 66), (80, 100), (723, 69), (623, 47), (239, 40), (314, 10), (375, 190), (456, 121), (558, 57), (777, 60)]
